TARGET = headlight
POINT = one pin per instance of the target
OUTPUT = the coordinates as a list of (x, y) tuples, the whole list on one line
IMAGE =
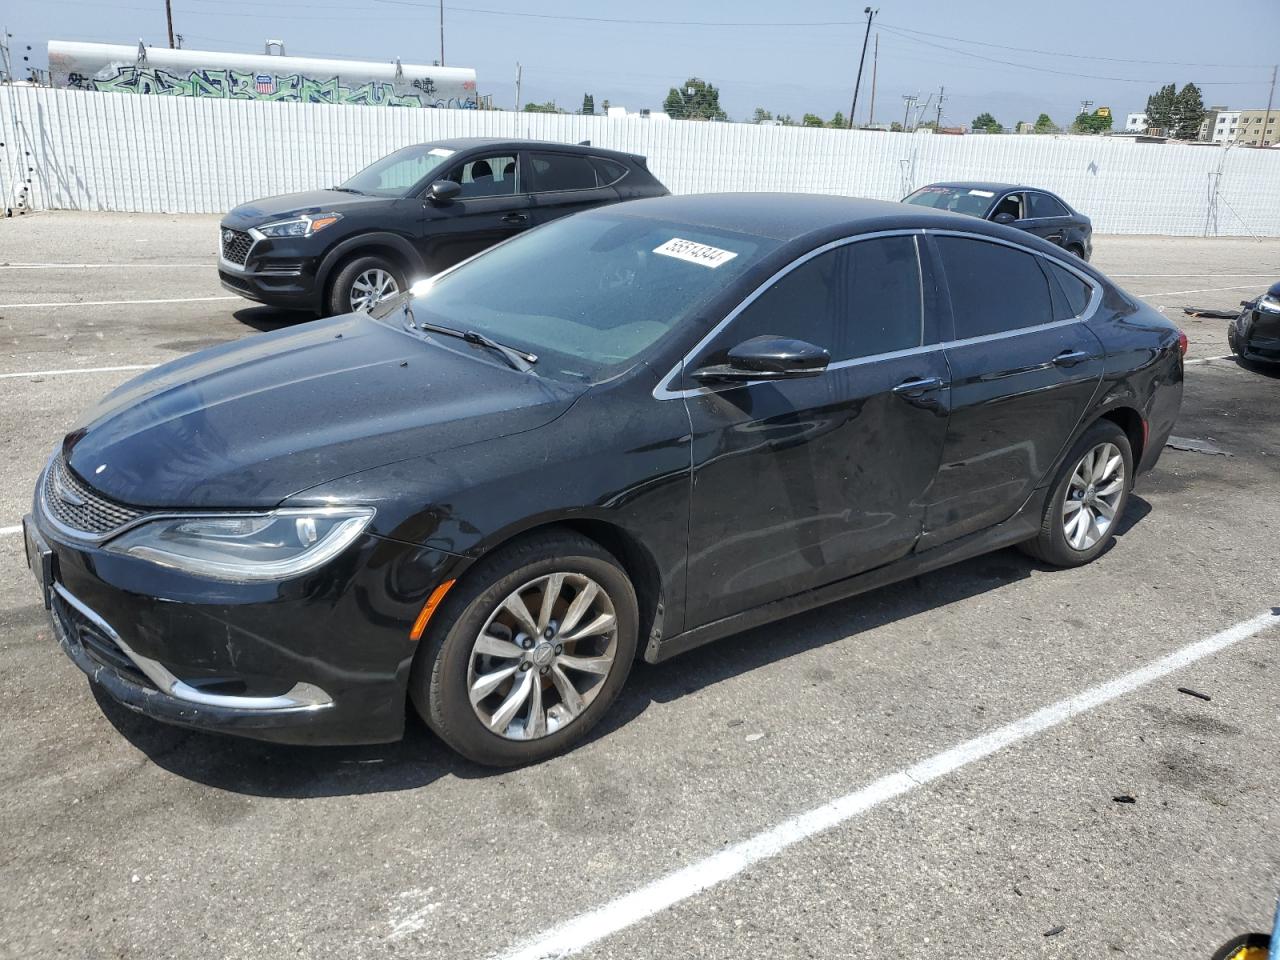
[(303, 226), (1268, 303), (265, 546)]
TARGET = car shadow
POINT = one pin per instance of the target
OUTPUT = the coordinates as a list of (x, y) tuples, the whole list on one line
[(265, 319), (1269, 370), (262, 769)]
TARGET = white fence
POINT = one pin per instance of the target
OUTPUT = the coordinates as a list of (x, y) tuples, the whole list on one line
[(66, 149)]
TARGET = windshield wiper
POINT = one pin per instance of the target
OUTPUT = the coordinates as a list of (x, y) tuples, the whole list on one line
[(348, 190), (517, 359)]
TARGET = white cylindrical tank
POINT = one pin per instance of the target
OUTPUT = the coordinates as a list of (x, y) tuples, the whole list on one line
[(119, 68)]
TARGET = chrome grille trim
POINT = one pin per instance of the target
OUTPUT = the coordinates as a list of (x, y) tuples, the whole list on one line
[(75, 508), (235, 245)]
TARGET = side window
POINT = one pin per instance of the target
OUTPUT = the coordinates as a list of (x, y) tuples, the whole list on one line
[(497, 176), (1075, 291), (858, 300), (609, 172), (562, 171), (1012, 205), (994, 288), (1043, 205)]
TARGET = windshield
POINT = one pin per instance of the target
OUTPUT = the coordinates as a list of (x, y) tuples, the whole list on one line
[(397, 172), (956, 199), (589, 293)]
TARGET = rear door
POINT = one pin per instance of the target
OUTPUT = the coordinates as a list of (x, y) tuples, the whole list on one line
[(564, 183), (1024, 368), (493, 204), (1045, 217), (802, 482)]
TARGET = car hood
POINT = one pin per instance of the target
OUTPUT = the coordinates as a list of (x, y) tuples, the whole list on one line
[(268, 209), (249, 423)]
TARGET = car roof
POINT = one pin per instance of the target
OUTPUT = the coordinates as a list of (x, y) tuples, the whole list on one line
[(790, 217), (986, 185), (471, 143)]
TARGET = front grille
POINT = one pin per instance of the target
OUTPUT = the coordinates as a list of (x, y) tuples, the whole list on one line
[(235, 246), (99, 647), (72, 503)]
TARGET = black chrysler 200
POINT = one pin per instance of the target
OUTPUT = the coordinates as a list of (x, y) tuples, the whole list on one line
[(628, 433), (412, 214)]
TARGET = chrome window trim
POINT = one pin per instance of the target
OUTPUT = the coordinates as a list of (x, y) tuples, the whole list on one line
[(665, 390), (300, 697)]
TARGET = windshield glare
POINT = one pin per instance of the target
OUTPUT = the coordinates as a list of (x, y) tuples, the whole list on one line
[(397, 172), (589, 293), (974, 203)]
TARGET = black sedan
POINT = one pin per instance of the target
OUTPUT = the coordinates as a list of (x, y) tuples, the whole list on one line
[(412, 214), (1255, 334), (626, 434), (1027, 208)]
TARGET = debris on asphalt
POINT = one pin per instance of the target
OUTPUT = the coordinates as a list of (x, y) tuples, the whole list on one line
[(1195, 446), (1054, 931), (1210, 313), (1192, 693), (1124, 798), (753, 737)]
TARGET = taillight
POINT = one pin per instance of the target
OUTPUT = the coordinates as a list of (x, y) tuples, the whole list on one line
[(1182, 343)]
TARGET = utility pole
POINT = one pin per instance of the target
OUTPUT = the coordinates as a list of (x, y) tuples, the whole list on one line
[(1085, 105), (941, 96), (519, 75), (442, 33), (910, 100), (1270, 98), (875, 63), (5, 37), (861, 62), (168, 15)]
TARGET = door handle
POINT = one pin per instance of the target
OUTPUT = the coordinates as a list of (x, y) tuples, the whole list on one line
[(917, 387), (1054, 238), (516, 218), (1069, 358)]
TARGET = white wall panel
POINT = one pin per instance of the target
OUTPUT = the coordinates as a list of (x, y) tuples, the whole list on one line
[(151, 154)]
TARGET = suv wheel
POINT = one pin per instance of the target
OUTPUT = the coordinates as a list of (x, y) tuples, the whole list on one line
[(528, 651), (364, 282)]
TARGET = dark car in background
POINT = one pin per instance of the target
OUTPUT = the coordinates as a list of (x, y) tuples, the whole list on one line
[(1254, 335), (412, 214), (628, 433), (1032, 209)]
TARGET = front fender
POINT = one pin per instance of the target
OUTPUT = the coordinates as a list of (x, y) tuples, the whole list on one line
[(353, 244)]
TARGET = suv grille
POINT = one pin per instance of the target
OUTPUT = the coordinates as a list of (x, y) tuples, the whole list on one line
[(73, 504), (235, 246)]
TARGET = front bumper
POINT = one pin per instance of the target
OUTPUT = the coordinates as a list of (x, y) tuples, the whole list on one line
[(277, 272), (321, 660), (1255, 335)]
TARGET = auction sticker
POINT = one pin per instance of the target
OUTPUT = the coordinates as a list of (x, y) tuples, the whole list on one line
[(981, 193), (695, 252)]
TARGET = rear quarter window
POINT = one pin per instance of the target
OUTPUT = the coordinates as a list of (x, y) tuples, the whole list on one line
[(609, 172)]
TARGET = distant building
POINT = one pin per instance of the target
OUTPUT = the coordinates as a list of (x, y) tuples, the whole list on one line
[(621, 112), (1135, 123), (1219, 125), (1259, 127)]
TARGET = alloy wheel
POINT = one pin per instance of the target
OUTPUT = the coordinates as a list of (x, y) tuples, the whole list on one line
[(542, 656), (1093, 496), (372, 286)]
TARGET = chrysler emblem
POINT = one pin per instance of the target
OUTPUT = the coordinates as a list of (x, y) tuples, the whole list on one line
[(69, 497)]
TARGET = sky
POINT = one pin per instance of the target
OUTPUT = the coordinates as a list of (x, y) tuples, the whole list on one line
[(1012, 58)]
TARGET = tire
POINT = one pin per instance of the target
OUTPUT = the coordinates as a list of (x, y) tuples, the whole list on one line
[(1076, 251), (375, 273), (1062, 542), (452, 663)]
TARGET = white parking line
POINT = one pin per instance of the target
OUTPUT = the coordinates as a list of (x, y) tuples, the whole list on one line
[(1178, 293), (111, 303), (55, 373), (579, 933), (1227, 356), (97, 266), (1183, 276), (6, 531)]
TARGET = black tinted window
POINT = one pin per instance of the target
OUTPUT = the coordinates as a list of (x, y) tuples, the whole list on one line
[(1076, 291), (609, 171), (554, 171), (854, 301), (1043, 205), (994, 288)]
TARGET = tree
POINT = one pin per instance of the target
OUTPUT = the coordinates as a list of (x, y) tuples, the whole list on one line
[(838, 121), (1162, 107), (604, 107), (895, 127), (786, 120), (761, 115), (985, 121), (1096, 122), (696, 100), (1188, 113), (548, 107), (812, 120), (1045, 124), (588, 105)]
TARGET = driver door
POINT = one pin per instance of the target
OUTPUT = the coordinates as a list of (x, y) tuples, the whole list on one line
[(802, 482), (493, 204)]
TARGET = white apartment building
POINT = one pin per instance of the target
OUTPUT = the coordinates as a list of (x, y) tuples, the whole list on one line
[(1135, 123), (1220, 125)]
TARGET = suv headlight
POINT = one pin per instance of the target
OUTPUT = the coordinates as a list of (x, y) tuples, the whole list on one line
[(303, 226), (263, 546)]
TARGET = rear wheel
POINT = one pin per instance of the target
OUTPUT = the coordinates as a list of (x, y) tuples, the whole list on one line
[(363, 282), (529, 651), (1087, 499)]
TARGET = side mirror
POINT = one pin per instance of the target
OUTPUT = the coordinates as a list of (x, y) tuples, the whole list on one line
[(767, 358), (1004, 218), (443, 191)]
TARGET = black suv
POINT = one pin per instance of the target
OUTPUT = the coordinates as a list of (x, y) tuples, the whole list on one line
[(410, 215), (1031, 209)]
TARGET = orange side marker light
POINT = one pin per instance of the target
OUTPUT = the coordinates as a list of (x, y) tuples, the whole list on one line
[(433, 601)]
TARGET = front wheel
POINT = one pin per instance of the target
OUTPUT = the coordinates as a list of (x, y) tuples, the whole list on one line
[(363, 283), (530, 652), (1087, 499)]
